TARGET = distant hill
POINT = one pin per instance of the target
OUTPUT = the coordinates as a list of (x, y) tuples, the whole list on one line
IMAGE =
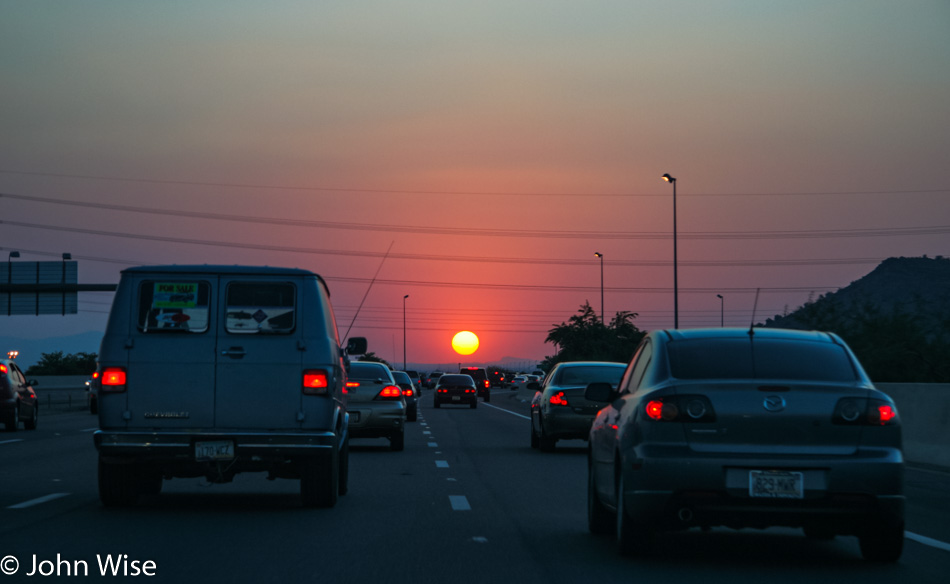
[(896, 318)]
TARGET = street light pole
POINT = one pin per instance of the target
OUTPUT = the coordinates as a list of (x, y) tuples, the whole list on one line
[(404, 331), (601, 256), (722, 314), (13, 254), (676, 286)]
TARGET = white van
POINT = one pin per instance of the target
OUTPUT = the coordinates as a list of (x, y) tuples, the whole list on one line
[(215, 370)]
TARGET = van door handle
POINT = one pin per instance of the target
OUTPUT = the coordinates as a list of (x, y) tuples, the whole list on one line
[(236, 352)]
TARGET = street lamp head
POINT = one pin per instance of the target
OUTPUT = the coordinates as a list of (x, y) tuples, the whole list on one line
[(14, 254), (668, 178), (406, 296), (719, 296), (67, 256), (598, 254)]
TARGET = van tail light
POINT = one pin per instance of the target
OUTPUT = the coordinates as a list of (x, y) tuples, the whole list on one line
[(390, 392), (558, 399), (680, 408), (113, 379), (316, 382), (851, 411)]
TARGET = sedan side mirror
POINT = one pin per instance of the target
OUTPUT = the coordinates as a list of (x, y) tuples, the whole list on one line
[(600, 391)]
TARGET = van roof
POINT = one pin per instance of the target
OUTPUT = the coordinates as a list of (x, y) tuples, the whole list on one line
[(224, 270)]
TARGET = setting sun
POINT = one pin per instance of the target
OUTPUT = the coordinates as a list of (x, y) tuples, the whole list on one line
[(465, 343)]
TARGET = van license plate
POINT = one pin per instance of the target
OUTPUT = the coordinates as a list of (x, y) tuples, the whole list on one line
[(775, 484), (217, 450)]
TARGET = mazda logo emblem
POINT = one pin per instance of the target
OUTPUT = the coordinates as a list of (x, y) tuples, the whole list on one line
[(774, 403)]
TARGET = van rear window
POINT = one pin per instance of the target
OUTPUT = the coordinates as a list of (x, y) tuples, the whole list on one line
[(260, 308), (173, 306)]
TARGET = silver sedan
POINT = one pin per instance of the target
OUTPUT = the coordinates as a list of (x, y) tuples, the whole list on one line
[(746, 428)]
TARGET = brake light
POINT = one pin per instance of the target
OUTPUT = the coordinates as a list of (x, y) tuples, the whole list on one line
[(315, 382), (390, 392), (408, 392), (95, 375), (113, 379), (3, 368), (558, 399), (487, 384), (680, 408), (865, 412)]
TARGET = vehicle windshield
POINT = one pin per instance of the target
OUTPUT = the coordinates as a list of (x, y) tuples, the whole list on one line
[(759, 359), (582, 375), (456, 380), (367, 371)]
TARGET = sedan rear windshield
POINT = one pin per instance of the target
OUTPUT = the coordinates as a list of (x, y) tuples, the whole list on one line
[(759, 359), (457, 380), (582, 375)]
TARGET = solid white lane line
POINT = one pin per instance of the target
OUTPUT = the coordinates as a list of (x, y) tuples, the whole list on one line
[(12, 441), (507, 411), (459, 503), (928, 541), (38, 501), (442, 464)]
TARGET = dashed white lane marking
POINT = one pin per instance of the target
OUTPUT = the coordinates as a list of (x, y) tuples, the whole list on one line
[(38, 501), (12, 441), (459, 503), (507, 411), (433, 445), (928, 541), (426, 432), (89, 430), (480, 539), (442, 464)]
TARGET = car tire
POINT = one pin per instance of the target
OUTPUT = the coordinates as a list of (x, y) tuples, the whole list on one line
[(474, 404), (119, 484), (320, 480), (435, 403), (12, 422), (397, 442), (818, 533), (488, 396), (151, 482), (535, 443), (546, 443), (94, 406), (884, 543), (600, 520), (633, 538), (31, 423), (411, 415), (345, 467)]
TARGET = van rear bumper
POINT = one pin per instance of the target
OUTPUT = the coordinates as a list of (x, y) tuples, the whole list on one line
[(181, 445)]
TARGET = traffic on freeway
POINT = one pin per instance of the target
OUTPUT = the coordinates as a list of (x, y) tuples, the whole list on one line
[(467, 500)]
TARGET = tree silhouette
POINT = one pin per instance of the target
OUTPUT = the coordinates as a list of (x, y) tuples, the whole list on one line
[(585, 337)]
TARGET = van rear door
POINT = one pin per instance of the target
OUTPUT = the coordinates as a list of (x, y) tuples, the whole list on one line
[(170, 352), (259, 358)]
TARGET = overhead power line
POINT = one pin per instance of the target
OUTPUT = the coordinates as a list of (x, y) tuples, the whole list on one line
[(253, 186)]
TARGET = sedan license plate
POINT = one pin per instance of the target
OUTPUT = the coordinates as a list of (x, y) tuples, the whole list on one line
[(456, 398), (216, 450), (775, 484)]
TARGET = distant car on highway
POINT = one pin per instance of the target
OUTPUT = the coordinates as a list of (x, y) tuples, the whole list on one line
[(559, 410), (18, 401), (434, 378), (519, 382), (482, 383), (456, 389), (375, 403), (746, 428), (409, 393)]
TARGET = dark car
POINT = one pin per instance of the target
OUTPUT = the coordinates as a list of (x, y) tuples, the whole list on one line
[(410, 393), (375, 403), (18, 401), (559, 410), (434, 379), (482, 383), (456, 389), (746, 428)]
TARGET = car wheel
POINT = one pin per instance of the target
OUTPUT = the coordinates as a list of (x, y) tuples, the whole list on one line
[(93, 405), (818, 533), (474, 404), (397, 442), (345, 467), (535, 443), (411, 415), (632, 538), (487, 397), (119, 484), (13, 420), (151, 482), (884, 543), (599, 519), (546, 443), (320, 480), (435, 403), (34, 419)]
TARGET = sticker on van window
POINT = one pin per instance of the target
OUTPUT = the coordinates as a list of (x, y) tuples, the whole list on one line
[(175, 295)]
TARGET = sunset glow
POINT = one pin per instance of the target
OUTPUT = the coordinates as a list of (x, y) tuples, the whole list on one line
[(465, 343)]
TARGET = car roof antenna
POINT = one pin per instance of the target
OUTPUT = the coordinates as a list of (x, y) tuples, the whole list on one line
[(370, 287), (755, 307)]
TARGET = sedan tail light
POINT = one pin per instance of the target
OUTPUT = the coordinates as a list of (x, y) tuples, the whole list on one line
[(315, 382), (852, 411), (113, 379), (558, 399), (390, 392), (680, 408)]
